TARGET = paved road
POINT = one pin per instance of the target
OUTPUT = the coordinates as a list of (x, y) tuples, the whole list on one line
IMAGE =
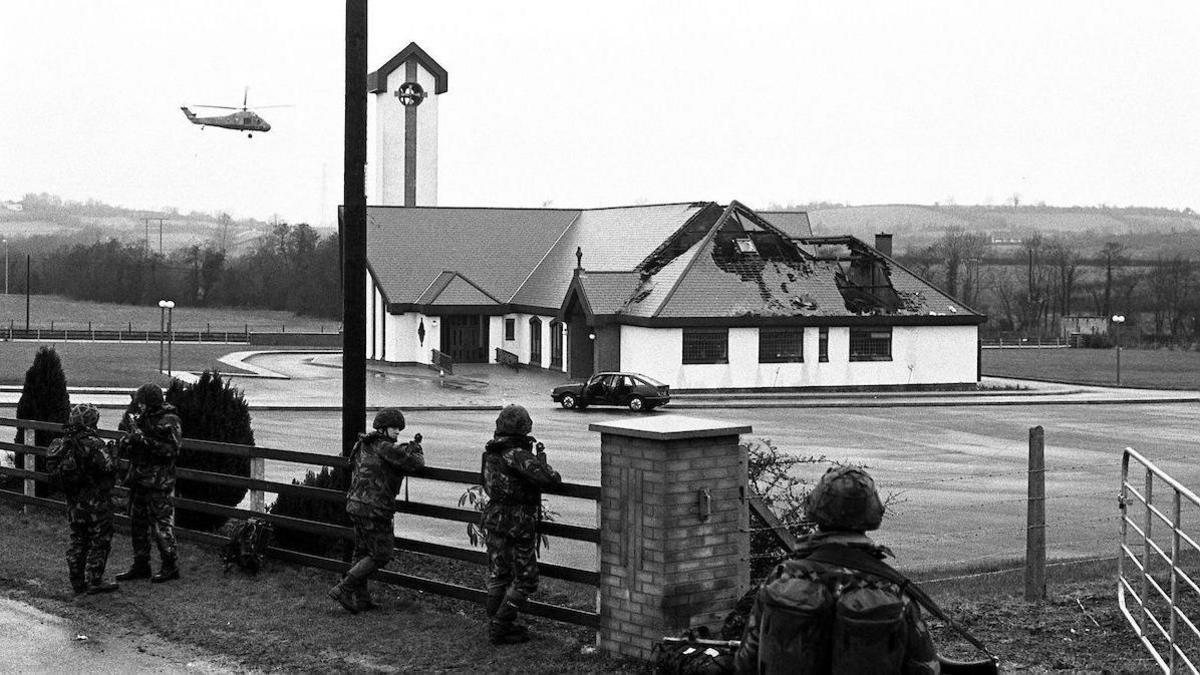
[(956, 463), (37, 642)]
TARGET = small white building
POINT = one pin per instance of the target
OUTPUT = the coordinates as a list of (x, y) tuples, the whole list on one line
[(696, 294)]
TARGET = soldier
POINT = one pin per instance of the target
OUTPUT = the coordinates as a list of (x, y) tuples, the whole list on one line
[(378, 463), (151, 444), (85, 468), (513, 478), (834, 605)]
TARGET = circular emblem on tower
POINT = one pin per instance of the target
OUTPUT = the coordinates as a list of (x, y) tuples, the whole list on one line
[(410, 94)]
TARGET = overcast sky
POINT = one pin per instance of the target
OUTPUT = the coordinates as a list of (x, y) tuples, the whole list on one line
[(598, 104)]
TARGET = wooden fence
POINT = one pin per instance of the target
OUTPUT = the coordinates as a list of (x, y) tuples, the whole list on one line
[(258, 486), (88, 334)]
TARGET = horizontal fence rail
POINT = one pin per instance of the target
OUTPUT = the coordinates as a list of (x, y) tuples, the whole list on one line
[(1154, 589), (256, 486), (85, 334)]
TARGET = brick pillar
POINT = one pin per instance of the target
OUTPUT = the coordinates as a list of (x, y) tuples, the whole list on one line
[(674, 528)]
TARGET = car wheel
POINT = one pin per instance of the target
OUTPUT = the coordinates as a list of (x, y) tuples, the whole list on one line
[(637, 404), (568, 401)]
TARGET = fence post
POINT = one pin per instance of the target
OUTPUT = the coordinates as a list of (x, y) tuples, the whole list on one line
[(674, 534), (1035, 532), (258, 471), (29, 438)]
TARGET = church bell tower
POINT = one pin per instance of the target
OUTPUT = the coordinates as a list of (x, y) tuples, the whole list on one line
[(406, 90)]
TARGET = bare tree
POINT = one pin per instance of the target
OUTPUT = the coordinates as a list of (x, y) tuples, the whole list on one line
[(1065, 262)]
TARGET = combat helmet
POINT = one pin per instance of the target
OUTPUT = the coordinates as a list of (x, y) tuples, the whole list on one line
[(514, 420), (845, 499), (389, 417), (149, 395), (84, 415)]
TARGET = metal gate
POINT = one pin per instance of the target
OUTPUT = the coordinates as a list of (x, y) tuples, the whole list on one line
[(1158, 563)]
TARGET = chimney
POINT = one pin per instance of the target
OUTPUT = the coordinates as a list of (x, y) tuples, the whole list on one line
[(883, 243)]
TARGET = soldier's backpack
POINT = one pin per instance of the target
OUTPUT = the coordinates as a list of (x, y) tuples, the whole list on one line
[(247, 545), (63, 465)]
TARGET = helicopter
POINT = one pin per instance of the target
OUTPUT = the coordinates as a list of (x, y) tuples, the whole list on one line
[(244, 119)]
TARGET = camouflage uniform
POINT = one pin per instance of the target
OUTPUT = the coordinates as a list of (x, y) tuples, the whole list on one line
[(513, 478), (89, 500), (379, 466), (151, 445)]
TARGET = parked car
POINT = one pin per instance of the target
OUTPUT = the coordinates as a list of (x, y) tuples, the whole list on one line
[(632, 390)]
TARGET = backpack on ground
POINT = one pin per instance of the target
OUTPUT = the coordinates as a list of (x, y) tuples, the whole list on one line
[(247, 545), (63, 465)]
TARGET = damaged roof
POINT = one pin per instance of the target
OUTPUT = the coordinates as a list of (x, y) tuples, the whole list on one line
[(642, 264)]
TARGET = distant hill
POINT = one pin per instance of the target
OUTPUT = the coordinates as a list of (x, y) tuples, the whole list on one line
[(916, 226), (47, 215)]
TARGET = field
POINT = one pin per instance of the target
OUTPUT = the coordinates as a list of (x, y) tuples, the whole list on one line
[(1144, 368), (96, 364), (47, 310)]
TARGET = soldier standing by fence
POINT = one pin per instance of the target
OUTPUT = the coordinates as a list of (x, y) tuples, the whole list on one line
[(151, 444), (378, 463), (83, 466), (513, 478)]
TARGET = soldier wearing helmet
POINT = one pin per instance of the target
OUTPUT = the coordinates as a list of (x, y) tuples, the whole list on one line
[(514, 473), (378, 463), (85, 467), (153, 435), (844, 505)]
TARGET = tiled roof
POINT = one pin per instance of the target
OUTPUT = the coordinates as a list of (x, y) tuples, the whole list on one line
[(607, 292), (612, 240), (527, 257), (409, 247), (452, 288)]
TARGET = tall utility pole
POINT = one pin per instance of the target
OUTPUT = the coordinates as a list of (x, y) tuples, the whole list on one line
[(354, 229)]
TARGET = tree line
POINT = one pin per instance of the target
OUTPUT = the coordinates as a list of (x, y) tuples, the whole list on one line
[(1030, 287), (293, 269)]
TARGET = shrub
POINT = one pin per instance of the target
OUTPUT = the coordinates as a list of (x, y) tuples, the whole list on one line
[(772, 475), (211, 410), (320, 510), (43, 397)]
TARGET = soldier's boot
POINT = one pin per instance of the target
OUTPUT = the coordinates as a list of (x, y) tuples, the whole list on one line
[(363, 600), (78, 582), (100, 585), (343, 592), (140, 569), (346, 592), (503, 629), (168, 572)]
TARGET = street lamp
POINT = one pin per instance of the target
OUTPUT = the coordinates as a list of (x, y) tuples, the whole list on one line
[(6, 267), (1117, 320), (164, 323)]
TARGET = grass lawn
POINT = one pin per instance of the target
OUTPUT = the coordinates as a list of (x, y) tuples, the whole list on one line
[(76, 314), (1150, 368), (281, 621), (124, 364)]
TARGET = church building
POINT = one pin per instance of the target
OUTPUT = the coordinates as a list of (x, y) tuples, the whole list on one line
[(698, 295)]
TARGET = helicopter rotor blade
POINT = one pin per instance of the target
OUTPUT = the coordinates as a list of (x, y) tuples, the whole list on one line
[(221, 107)]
